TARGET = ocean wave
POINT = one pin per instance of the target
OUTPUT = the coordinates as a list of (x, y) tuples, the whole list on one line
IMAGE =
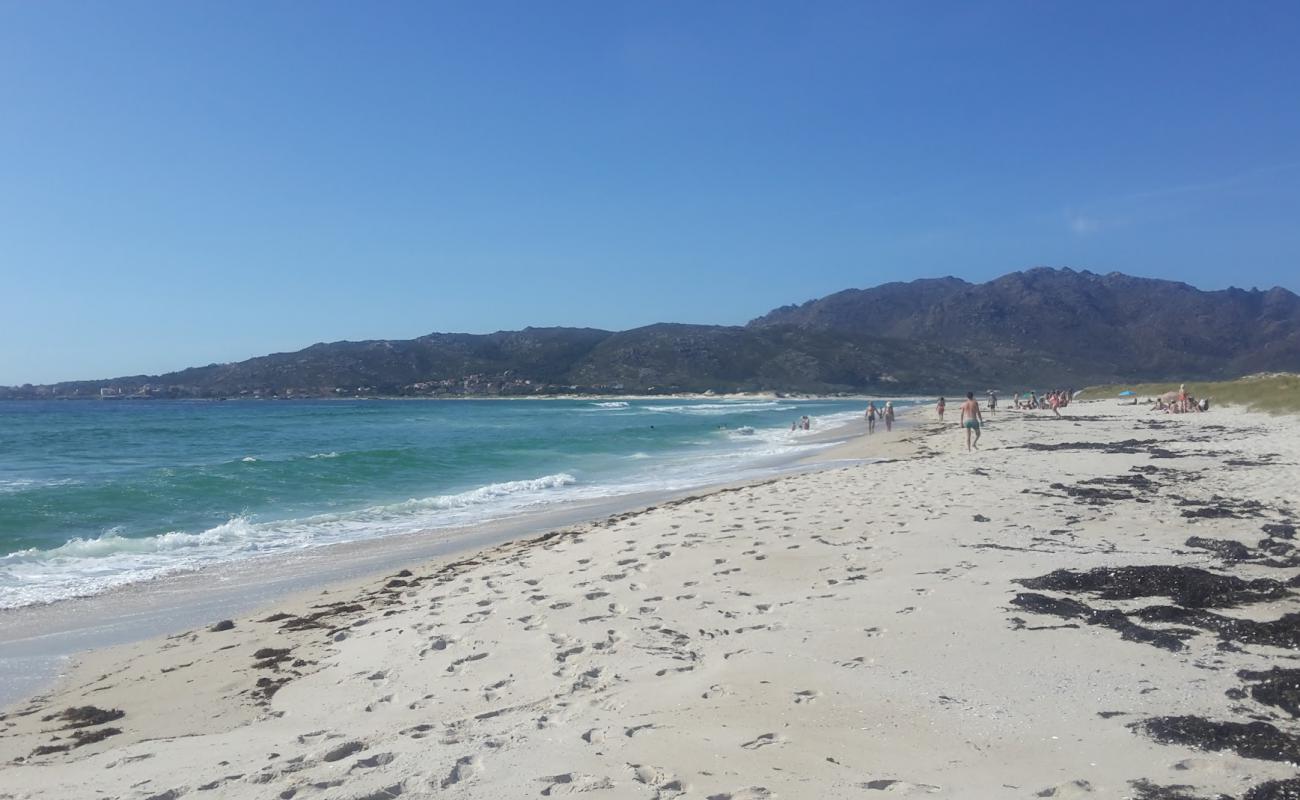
[(15, 485), (484, 494), (720, 409), (612, 404), (86, 566), (113, 543), (331, 454)]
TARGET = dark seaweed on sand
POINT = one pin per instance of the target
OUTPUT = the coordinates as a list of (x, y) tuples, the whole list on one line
[(1187, 586), (1247, 739)]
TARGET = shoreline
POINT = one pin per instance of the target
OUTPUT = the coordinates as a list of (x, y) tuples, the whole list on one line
[(893, 627), (766, 396), (38, 640)]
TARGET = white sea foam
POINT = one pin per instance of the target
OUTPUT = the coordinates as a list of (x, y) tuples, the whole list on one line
[(330, 454), (13, 485), (719, 409), (612, 404), (82, 566)]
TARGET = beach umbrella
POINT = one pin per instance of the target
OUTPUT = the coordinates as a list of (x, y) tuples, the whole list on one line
[(1126, 393)]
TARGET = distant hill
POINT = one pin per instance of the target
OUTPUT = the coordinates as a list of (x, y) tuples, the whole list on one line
[(1034, 328), (1075, 327)]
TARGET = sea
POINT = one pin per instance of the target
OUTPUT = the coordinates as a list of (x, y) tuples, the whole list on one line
[(100, 494)]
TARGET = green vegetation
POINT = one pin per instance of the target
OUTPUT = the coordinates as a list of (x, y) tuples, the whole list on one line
[(1276, 393)]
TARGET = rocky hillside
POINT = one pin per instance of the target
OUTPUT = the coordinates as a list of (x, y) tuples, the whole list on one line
[(1062, 325), (1035, 328)]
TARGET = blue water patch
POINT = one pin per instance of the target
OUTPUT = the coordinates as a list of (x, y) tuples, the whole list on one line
[(96, 494)]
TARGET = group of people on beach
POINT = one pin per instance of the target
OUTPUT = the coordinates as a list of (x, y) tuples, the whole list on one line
[(801, 424), (1054, 400), (1183, 404), (885, 413)]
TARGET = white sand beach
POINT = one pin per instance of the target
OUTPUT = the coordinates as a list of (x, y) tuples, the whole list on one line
[(852, 632)]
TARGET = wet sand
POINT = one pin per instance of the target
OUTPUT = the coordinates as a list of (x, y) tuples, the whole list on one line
[(1095, 606)]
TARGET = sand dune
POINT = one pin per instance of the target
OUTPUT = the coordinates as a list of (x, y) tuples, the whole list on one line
[(930, 626)]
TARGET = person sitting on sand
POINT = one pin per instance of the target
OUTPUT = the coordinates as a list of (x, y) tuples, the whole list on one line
[(939, 408), (889, 415), (972, 420), (871, 417)]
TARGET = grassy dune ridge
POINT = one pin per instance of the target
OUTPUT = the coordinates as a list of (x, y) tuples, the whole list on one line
[(1277, 392)]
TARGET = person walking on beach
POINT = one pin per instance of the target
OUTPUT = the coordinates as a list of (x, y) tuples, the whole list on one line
[(1055, 402), (993, 401), (939, 407), (972, 420), (889, 415), (871, 417)]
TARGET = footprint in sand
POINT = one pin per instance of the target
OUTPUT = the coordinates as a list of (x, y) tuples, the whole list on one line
[(493, 691), (418, 731), (342, 751), (666, 786), (465, 768), (377, 760), (807, 696), (1069, 789), (749, 793), (764, 740), (454, 667), (902, 788), (573, 783)]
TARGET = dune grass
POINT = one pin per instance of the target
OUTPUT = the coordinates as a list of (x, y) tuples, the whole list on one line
[(1276, 393)]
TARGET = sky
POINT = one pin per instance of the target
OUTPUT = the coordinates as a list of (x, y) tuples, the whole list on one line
[(184, 183)]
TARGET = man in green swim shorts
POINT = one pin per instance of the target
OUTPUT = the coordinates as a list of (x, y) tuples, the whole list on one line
[(972, 420)]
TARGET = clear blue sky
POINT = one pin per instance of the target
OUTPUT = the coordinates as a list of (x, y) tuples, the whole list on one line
[(188, 182)]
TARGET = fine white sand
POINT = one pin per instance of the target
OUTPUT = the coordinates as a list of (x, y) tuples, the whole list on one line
[(843, 633)]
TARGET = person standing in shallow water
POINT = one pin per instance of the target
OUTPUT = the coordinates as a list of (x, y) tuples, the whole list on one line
[(972, 420)]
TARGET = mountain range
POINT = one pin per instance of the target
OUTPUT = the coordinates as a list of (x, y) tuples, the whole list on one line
[(1037, 328)]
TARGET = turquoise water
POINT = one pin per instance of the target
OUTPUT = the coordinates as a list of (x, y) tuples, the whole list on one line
[(96, 494)]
